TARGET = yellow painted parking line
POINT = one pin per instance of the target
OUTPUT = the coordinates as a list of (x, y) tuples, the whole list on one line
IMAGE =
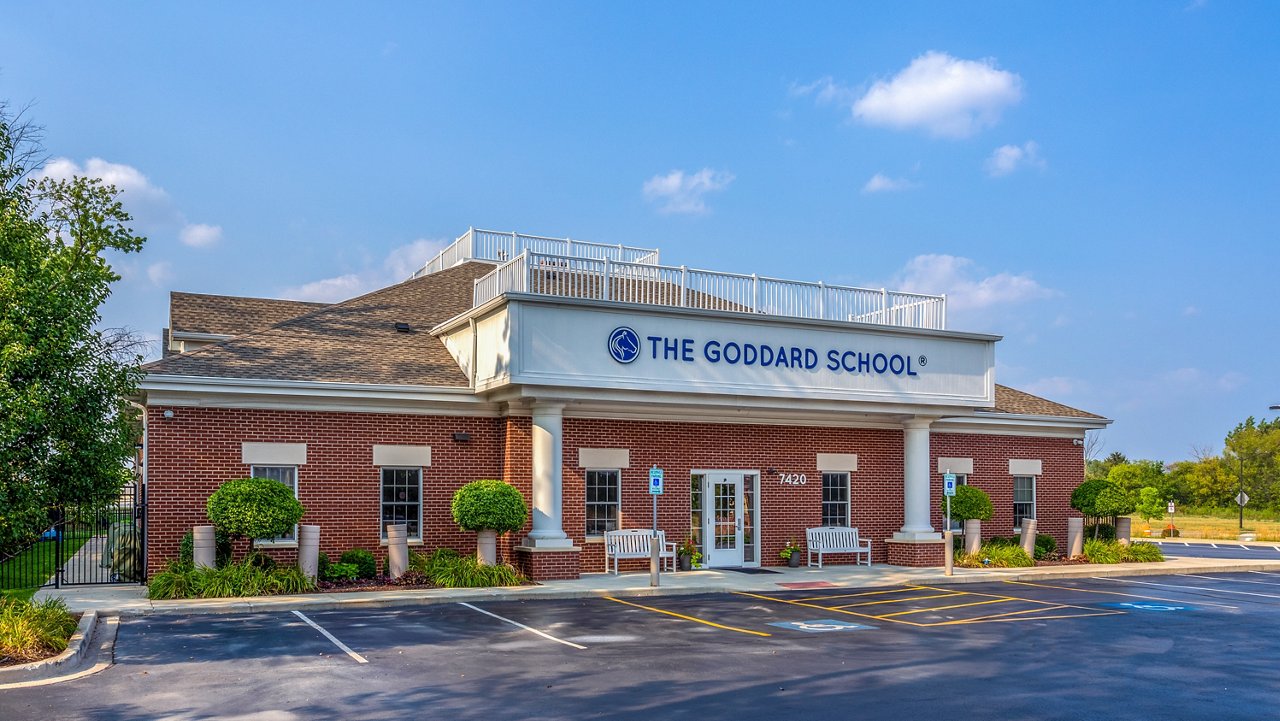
[(828, 609), (945, 608), (1016, 598), (1048, 618), (900, 600), (961, 621), (688, 618), (904, 589), (1119, 593)]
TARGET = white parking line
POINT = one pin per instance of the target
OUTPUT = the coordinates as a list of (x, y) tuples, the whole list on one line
[(1232, 580), (1213, 544), (547, 636), (1188, 545), (1245, 547), (331, 637), (1191, 588)]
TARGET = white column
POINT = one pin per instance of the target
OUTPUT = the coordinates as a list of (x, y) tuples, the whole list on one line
[(548, 487), (915, 482)]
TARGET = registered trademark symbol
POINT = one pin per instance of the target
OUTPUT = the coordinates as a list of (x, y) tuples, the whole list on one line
[(923, 361)]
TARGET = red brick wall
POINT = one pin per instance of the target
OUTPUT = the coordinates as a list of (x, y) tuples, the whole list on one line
[(915, 554), (191, 454), (1063, 466), (548, 565)]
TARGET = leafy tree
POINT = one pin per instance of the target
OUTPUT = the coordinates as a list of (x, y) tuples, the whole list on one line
[(1095, 469), (66, 426), (489, 505), (254, 508), (969, 504), (1204, 482), (1136, 475), (1253, 449), (1085, 497), (1113, 501), (1150, 504)]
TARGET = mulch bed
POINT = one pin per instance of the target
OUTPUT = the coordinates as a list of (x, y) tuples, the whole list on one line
[(1064, 562), (407, 581)]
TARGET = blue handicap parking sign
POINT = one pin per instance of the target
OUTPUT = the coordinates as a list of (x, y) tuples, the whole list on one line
[(1150, 606), (824, 625)]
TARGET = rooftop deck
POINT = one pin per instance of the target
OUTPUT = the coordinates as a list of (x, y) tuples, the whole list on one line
[(580, 269)]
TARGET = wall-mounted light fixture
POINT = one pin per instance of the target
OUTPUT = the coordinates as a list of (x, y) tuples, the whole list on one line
[(168, 414), (1077, 442), (771, 471), (461, 437)]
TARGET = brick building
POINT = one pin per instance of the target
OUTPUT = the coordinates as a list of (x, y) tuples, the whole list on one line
[(570, 369)]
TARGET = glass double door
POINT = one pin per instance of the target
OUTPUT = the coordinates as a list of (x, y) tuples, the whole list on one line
[(729, 528)]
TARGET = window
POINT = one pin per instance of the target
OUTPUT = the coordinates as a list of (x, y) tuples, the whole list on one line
[(835, 499), (603, 491), (402, 500), (287, 475), (956, 524), (695, 507), (1024, 499)]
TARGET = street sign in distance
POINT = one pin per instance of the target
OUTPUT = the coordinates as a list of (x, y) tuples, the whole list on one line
[(655, 481), (1242, 498), (1170, 506), (949, 484)]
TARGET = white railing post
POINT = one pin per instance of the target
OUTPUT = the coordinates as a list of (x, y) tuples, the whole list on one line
[(568, 247), (822, 300), (608, 273), (942, 322), (684, 287), (755, 294), (884, 306)]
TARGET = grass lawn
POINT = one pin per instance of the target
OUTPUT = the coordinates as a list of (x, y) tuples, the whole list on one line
[(28, 571), (1225, 527)]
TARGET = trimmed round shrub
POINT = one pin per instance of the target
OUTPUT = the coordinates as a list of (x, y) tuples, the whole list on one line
[(1114, 501), (489, 505), (1085, 497), (969, 504), (365, 563), (254, 508)]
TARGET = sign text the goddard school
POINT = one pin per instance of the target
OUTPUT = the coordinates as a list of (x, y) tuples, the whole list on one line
[(847, 360)]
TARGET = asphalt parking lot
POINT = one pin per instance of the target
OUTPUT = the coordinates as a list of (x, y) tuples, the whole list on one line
[(1152, 647), (1218, 549)]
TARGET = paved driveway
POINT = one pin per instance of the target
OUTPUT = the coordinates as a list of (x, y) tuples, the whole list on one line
[(1155, 647)]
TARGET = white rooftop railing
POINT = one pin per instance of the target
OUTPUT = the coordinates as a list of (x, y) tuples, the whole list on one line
[(496, 247), (648, 283)]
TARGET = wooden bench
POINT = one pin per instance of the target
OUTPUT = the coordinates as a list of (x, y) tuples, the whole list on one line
[(634, 543), (835, 539)]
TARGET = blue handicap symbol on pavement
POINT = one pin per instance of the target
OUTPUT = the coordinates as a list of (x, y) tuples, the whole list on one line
[(1150, 606), (820, 626)]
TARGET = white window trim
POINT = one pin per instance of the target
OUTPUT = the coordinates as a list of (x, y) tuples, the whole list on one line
[(848, 502), (1017, 526), (382, 526), (586, 503), (277, 542)]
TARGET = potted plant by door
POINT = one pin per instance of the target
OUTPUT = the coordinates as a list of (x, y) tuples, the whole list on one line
[(689, 555), (489, 507), (791, 554)]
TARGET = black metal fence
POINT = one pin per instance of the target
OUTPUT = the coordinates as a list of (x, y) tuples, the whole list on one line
[(84, 545)]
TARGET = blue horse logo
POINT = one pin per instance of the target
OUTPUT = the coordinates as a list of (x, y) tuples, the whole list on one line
[(624, 344)]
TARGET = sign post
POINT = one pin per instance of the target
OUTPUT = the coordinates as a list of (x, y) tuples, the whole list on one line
[(655, 490), (1241, 499), (1172, 508), (948, 550)]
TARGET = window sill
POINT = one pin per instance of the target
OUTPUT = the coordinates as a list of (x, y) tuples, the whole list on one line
[(593, 539), (275, 544)]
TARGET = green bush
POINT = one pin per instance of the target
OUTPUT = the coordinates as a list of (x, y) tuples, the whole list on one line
[(448, 568), (1142, 553), (489, 505), (258, 559), (1100, 531), (254, 508), (322, 565), (1046, 545), (1084, 498), (221, 548), (342, 572), (31, 630), (1114, 501), (230, 581), (995, 555), (1103, 551), (365, 563), (969, 504)]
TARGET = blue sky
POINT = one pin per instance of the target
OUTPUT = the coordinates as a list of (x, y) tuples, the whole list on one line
[(1098, 182)]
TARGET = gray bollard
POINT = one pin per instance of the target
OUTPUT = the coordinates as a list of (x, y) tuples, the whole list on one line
[(397, 549), (654, 549), (1124, 529), (309, 551), (204, 547), (1075, 537), (948, 552), (1029, 536), (486, 547), (972, 536)]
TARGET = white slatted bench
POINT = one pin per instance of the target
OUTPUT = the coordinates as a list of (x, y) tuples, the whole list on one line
[(634, 543), (835, 539)]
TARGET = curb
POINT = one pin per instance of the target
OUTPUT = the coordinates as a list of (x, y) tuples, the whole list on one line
[(77, 645), (411, 599)]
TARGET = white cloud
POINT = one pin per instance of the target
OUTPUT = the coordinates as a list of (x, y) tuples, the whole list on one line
[(199, 235), (151, 207), (678, 192), (1054, 387), (396, 267), (963, 284), (946, 96), (160, 273), (826, 91), (1008, 158), (881, 183)]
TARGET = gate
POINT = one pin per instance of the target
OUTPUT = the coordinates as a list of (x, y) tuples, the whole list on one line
[(84, 545)]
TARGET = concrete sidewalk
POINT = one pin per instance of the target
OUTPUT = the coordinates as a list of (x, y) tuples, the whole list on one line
[(129, 600)]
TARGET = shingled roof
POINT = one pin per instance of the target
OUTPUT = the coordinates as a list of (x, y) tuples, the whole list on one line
[(229, 314), (1010, 400), (350, 342)]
